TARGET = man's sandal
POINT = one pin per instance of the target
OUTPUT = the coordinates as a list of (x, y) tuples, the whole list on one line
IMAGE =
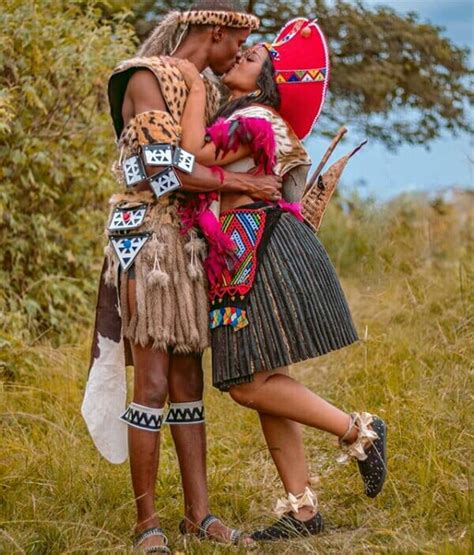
[(148, 533), (202, 532), (369, 449)]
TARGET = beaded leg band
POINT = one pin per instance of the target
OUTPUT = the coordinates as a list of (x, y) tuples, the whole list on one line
[(185, 413), (369, 449), (144, 418)]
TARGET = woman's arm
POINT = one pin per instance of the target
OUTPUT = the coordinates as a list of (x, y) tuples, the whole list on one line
[(193, 120), (144, 94), (193, 138)]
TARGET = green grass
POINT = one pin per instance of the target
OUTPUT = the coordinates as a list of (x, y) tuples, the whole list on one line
[(409, 294)]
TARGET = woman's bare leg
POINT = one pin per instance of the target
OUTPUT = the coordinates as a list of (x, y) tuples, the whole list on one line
[(150, 390), (284, 440), (277, 394)]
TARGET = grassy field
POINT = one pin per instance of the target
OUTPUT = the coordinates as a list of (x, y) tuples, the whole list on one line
[(406, 273)]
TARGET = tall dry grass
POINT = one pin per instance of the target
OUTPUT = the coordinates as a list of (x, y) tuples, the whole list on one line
[(406, 271)]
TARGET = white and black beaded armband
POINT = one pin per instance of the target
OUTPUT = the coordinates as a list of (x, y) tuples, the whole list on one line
[(154, 135), (162, 155)]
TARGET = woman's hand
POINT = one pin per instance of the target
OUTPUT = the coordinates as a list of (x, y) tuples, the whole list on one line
[(191, 75)]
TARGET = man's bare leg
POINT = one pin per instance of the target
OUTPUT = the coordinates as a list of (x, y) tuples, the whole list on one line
[(150, 390), (185, 386)]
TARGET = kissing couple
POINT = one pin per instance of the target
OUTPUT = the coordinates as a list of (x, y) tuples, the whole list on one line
[(208, 247)]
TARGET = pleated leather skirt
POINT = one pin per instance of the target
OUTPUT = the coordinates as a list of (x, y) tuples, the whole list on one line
[(296, 309)]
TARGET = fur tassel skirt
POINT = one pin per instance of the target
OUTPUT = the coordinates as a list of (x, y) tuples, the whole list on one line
[(296, 310), (171, 307)]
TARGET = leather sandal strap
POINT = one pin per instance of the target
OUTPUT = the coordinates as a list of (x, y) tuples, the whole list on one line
[(206, 523), (148, 533), (235, 536), (203, 530)]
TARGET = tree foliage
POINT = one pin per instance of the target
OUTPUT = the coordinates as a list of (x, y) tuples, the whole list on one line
[(56, 145), (396, 78)]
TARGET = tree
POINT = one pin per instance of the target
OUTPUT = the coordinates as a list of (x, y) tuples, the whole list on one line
[(56, 146), (396, 78)]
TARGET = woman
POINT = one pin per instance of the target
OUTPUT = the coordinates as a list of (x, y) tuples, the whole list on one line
[(276, 299)]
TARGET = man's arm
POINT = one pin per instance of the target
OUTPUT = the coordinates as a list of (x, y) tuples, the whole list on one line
[(143, 94)]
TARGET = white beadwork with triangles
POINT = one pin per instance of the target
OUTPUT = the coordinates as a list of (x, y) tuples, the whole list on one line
[(123, 218), (158, 155), (165, 182), (183, 160), (127, 248), (133, 170)]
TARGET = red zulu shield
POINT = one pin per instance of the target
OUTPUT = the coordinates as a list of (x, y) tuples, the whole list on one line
[(300, 57)]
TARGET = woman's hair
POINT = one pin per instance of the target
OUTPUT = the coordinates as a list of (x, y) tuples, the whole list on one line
[(268, 93)]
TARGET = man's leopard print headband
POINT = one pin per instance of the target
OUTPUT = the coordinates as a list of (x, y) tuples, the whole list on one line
[(222, 18)]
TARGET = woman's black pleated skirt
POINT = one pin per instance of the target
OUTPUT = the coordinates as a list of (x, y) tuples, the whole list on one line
[(296, 310)]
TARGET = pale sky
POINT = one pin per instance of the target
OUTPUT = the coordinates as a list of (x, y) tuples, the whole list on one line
[(387, 174)]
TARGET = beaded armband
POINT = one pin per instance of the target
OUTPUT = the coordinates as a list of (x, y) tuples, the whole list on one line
[(159, 155)]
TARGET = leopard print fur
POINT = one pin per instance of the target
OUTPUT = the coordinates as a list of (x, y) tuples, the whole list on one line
[(172, 84), (154, 126), (223, 18)]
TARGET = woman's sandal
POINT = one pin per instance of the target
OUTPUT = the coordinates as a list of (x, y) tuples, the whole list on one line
[(369, 449), (202, 533), (288, 526), (148, 533)]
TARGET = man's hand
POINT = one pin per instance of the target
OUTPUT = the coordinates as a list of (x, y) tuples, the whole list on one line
[(265, 187)]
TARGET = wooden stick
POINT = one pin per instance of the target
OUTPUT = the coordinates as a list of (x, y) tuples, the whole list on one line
[(342, 131)]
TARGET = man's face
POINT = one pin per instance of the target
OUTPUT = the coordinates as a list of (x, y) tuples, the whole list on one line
[(226, 48)]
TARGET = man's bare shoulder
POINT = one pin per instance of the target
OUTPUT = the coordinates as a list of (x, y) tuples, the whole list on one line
[(144, 91)]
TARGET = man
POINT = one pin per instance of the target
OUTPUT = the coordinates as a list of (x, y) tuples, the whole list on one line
[(153, 298)]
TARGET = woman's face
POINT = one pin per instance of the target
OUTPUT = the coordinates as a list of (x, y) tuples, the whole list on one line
[(244, 74)]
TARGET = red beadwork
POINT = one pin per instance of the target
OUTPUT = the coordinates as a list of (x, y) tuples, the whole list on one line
[(245, 228)]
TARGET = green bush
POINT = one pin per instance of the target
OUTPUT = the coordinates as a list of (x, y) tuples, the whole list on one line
[(56, 146)]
